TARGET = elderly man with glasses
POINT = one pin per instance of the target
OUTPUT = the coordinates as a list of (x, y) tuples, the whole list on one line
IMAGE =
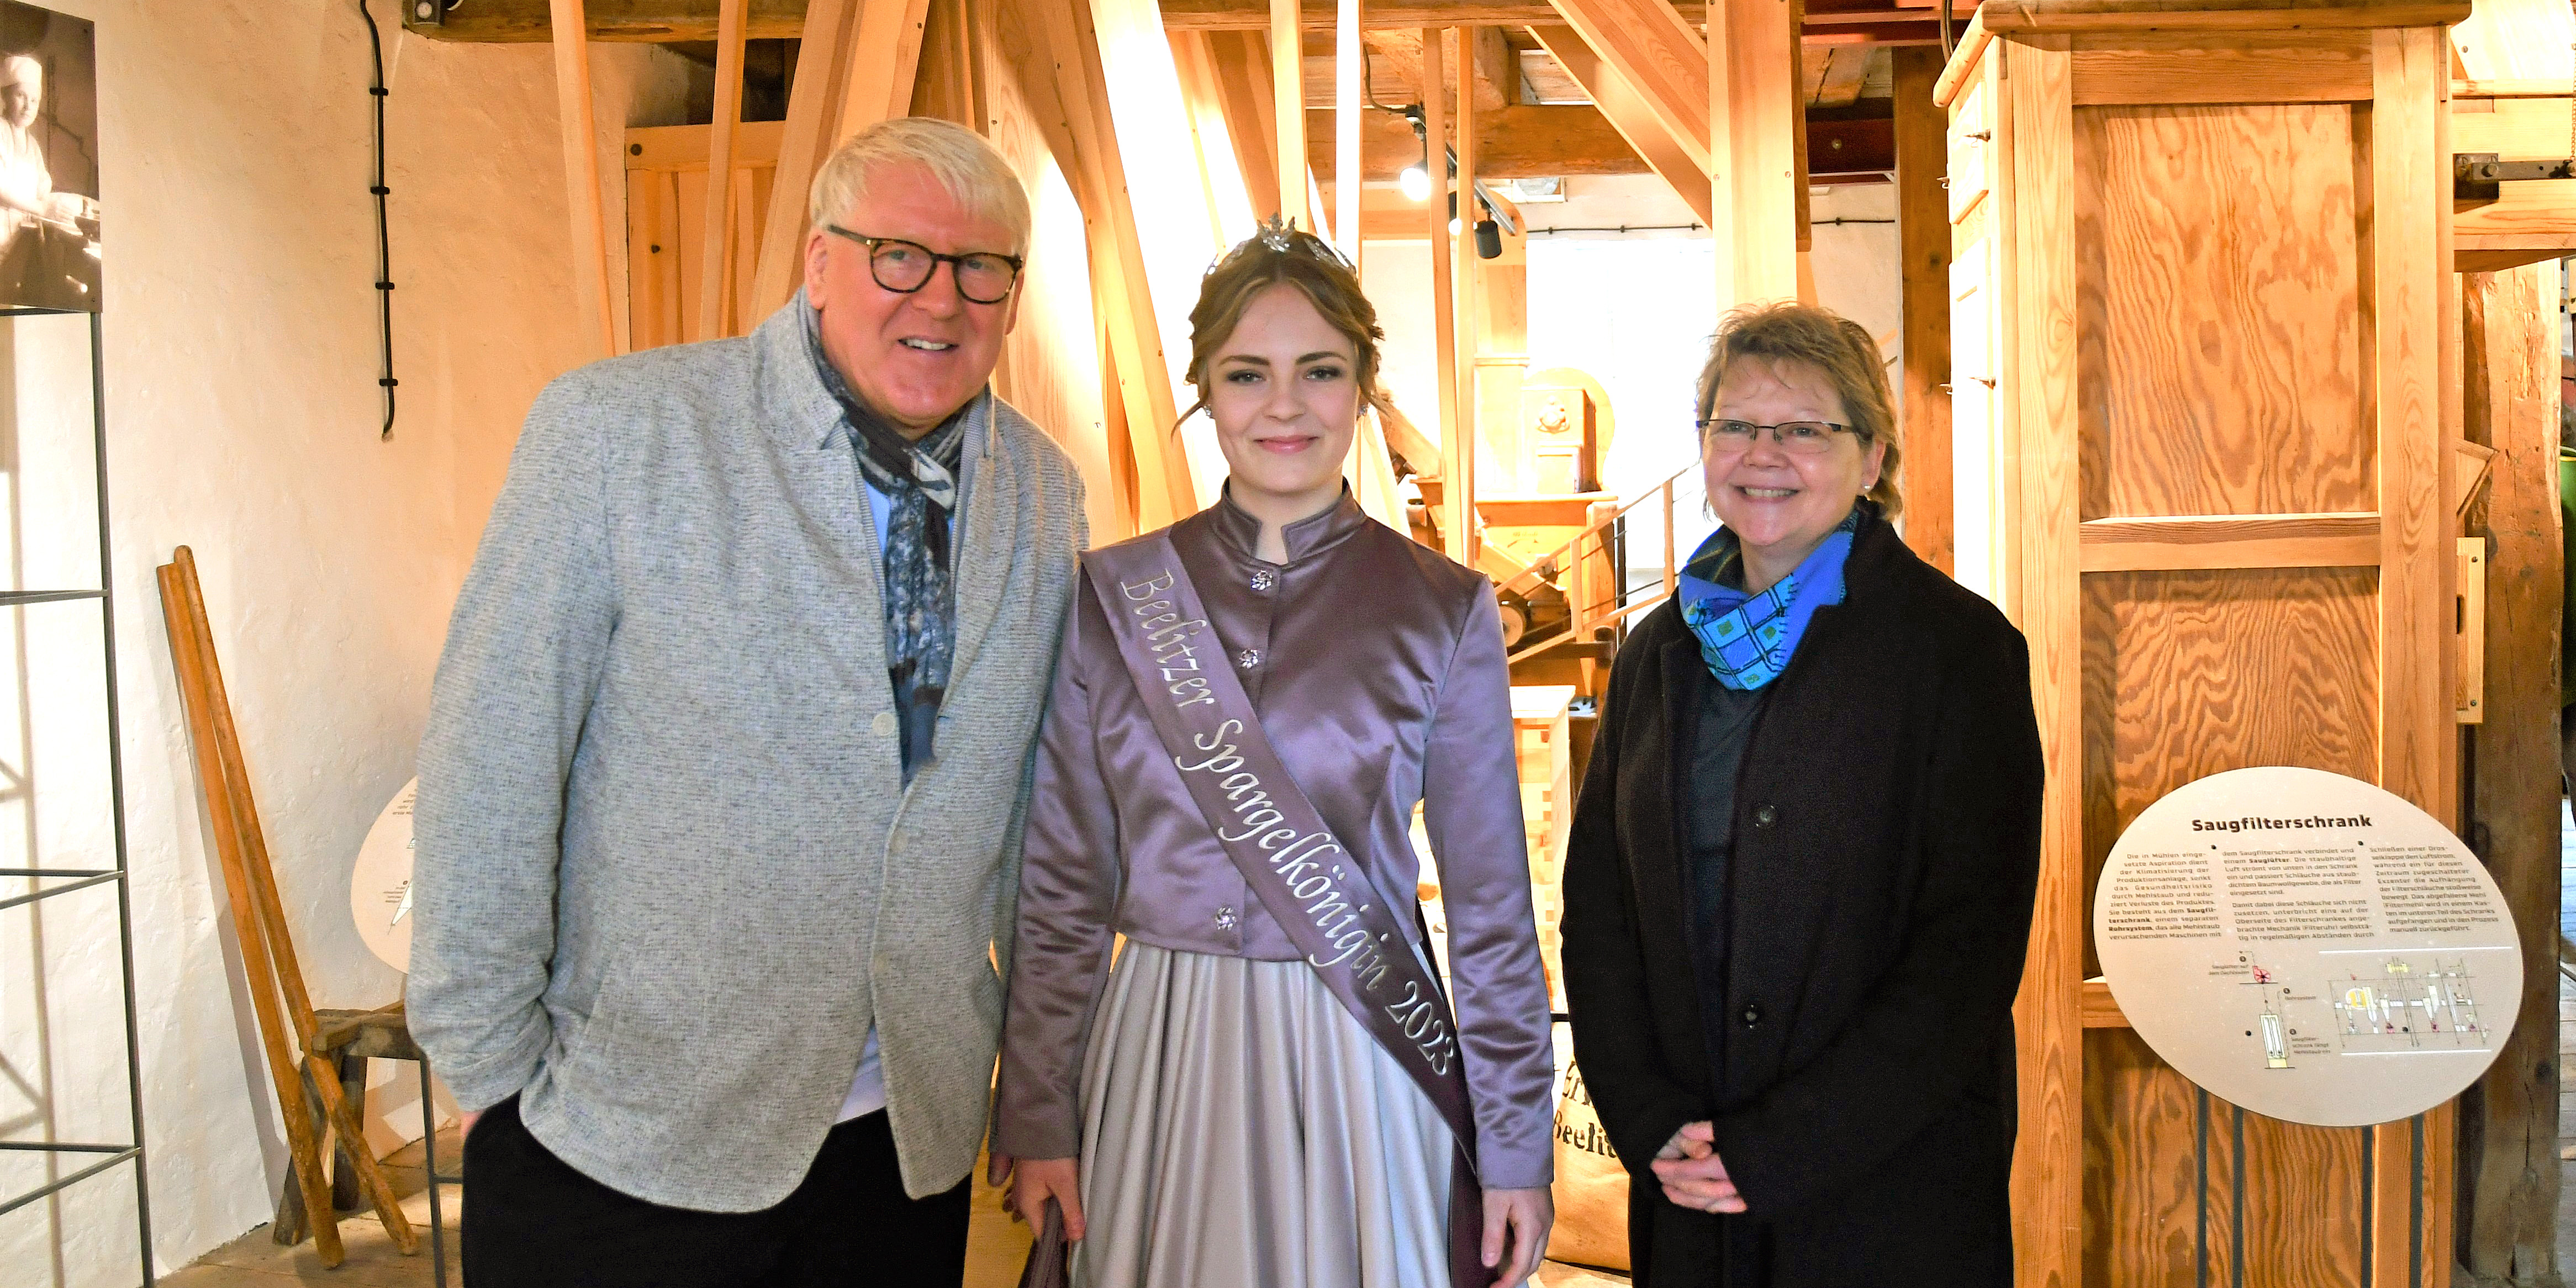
[(727, 761)]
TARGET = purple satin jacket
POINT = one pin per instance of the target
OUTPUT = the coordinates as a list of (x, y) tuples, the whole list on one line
[(1377, 668)]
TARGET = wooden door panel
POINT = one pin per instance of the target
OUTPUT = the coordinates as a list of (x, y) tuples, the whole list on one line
[(2188, 674), (2219, 309)]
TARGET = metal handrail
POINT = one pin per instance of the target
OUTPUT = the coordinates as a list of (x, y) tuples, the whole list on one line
[(1565, 563)]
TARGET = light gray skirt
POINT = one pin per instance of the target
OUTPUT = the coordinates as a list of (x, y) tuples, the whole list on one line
[(1240, 1128)]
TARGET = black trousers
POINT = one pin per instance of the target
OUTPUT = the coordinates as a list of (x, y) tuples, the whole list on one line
[(531, 1221)]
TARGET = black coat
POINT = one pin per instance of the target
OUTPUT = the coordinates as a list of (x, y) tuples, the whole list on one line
[(1886, 850)]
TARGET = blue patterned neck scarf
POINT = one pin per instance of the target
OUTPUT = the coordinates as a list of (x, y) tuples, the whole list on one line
[(919, 479), (1745, 638)]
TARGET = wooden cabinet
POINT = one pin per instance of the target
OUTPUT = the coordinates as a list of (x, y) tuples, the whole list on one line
[(2201, 256)]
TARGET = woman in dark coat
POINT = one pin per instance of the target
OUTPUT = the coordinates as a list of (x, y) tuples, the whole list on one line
[(1799, 885)]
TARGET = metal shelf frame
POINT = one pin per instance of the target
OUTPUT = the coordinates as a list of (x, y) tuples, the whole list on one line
[(108, 1157)]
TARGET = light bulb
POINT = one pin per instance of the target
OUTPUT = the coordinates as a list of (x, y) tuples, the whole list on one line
[(1453, 225), (1416, 182)]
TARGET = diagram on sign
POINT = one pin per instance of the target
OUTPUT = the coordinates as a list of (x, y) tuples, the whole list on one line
[(2270, 1026), (2393, 1006)]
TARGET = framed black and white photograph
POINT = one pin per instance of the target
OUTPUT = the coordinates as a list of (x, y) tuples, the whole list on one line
[(49, 224)]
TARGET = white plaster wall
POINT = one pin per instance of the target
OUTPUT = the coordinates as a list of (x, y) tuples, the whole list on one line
[(242, 409)]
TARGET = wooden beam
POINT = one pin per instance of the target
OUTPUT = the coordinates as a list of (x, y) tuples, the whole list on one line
[(1512, 143), (2041, 509), (2410, 192), (822, 72), (1053, 49), (1350, 68), (1454, 511), (1288, 111), (1660, 57), (581, 194), (1461, 476), (690, 21), (1846, 69), (2270, 541), (716, 284), (1497, 69), (1235, 78), (1619, 103), (2511, 372), (1393, 15), (885, 57), (869, 51), (1858, 146), (1752, 95), (660, 21), (1923, 236)]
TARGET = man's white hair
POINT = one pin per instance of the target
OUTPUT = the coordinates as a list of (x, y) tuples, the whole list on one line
[(959, 158)]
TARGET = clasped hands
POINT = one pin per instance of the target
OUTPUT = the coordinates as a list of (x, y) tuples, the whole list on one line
[(1520, 1217), (1693, 1175)]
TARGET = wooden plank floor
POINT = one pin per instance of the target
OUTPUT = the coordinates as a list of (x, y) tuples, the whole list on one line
[(995, 1246)]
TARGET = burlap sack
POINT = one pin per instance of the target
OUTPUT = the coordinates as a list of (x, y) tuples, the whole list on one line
[(1591, 1186)]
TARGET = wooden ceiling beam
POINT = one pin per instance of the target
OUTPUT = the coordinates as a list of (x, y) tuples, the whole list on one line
[(1179, 15), (1660, 56), (1826, 22), (659, 21), (1619, 103), (1512, 142)]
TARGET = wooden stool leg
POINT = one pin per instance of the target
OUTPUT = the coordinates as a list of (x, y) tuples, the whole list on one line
[(287, 1228), (344, 1170)]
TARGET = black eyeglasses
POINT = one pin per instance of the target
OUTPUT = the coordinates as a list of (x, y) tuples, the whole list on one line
[(983, 276), (1718, 437)]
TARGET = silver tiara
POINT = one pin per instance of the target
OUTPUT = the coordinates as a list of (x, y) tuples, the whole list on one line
[(1279, 235)]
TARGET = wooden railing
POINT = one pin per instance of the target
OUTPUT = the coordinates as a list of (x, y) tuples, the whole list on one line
[(1591, 569)]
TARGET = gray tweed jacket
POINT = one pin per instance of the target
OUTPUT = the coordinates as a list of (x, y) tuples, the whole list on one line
[(668, 873)]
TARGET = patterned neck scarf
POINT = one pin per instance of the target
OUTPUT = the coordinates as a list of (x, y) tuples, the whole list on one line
[(920, 479), (1745, 638)]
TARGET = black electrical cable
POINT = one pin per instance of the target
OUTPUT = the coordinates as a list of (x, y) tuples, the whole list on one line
[(384, 239)]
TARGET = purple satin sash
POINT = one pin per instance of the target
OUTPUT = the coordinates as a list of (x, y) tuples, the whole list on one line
[(1286, 852)]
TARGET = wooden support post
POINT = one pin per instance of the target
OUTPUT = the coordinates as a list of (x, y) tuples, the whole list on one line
[(716, 285), (2043, 511), (886, 56), (2512, 395), (1288, 111), (822, 72), (1225, 88), (581, 182), (1444, 319), (1465, 267), (1755, 129), (2418, 745), (1923, 234), (1053, 49), (856, 68), (1350, 69)]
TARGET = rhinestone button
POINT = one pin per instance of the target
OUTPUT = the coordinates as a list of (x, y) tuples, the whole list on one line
[(1247, 659), (1263, 579), (1225, 918)]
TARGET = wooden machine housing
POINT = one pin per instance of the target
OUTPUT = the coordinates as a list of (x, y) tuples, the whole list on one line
[(2199, 295)]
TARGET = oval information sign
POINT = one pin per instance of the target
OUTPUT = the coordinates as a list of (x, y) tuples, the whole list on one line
[(380, 887), (2308, 946)]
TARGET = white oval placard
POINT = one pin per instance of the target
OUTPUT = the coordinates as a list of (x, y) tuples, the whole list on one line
[(2308, 946), (380, 887)]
